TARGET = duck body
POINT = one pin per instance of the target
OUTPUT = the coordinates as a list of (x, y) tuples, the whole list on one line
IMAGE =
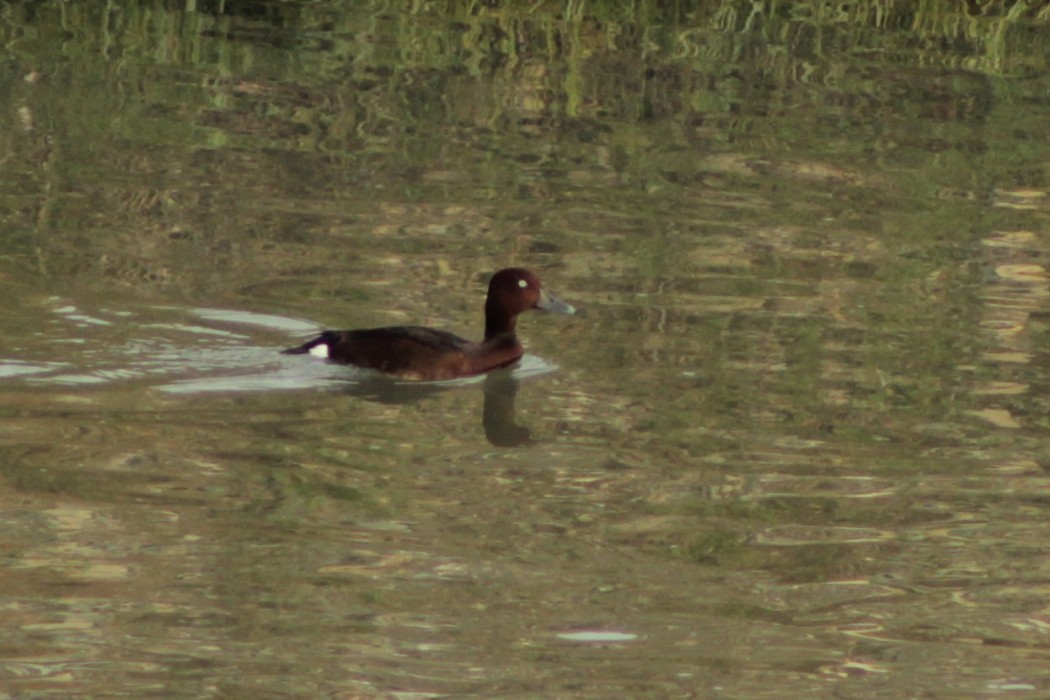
[(416, 352)]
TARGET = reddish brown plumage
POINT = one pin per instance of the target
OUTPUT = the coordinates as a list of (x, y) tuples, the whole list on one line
[(415, 352)]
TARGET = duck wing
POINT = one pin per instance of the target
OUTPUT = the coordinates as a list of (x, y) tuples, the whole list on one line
[(407, 351)]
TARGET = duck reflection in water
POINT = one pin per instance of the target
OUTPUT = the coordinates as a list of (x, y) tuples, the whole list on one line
[(498, 416), (419, 353)]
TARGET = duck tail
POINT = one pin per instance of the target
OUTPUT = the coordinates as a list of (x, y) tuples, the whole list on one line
[(309, 346)]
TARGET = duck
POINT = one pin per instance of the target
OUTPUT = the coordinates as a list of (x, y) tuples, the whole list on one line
[(429, 354)]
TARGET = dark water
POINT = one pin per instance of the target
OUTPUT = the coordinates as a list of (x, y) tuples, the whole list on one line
[(796, 447)]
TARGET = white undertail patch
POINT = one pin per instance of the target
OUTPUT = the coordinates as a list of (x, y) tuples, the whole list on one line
[(320, 350)]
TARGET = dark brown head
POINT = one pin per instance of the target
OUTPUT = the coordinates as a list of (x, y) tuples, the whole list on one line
[(512, 291)]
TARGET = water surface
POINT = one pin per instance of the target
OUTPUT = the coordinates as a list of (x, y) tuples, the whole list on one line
[(794, 448)]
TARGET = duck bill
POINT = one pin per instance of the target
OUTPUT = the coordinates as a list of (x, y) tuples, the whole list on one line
[(554, 305)]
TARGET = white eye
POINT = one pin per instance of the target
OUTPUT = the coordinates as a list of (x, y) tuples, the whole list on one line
[(523, 283)]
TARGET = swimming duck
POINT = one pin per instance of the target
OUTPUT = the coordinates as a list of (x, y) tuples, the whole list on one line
[(416, 352)]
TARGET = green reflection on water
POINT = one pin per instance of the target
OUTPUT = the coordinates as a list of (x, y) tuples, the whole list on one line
[(802, 426)]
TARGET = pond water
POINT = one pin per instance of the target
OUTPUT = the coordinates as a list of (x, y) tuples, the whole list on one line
[(795, 446)]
